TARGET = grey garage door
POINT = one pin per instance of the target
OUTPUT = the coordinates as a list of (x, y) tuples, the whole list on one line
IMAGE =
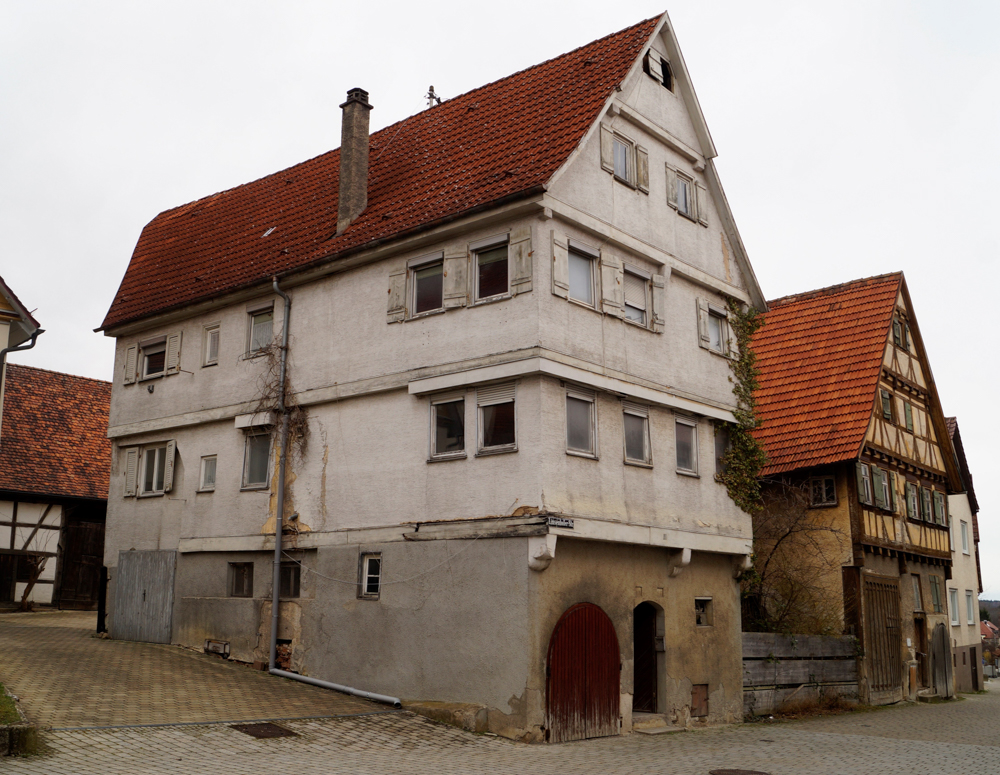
[(144, 596)]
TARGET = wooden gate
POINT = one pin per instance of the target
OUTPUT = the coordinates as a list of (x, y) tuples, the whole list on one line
[(941, 661), (82, 553), (144, 596), (883, 644), (584, 676)]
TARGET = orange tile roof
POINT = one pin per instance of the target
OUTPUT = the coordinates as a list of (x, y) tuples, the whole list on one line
[(53, 438), (477, 150), (820, 356)]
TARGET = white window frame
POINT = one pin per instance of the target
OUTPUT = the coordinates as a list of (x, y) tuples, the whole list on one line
[(692, 423), (629, 155), (592, 256), (204, 486), (866, 481), (245, 484), (641, 411), (364, 566), (437, 401), (720, 317), (953, 605), (822, 483), (209, 330), (485, 397), (970, 608), (589, 397), (964, 527), (485, 246), (645, 277), (159, 452), (691, 213), (413, 266), (709, 619), (152, 348), (253, 313)]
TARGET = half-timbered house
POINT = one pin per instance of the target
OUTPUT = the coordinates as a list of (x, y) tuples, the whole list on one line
[(851, 416)]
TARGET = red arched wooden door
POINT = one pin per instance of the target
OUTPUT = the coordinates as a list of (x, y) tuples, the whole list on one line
[(584, 676)]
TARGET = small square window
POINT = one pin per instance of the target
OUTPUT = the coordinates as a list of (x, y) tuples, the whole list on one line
[(289, 579), (636, 297), (257, 456), (154, 461), (492, 272), (497, 419), (723, 443), (580, 423), (154, 360), (703, 612), (448, 428), (370, 576), (623, 159), (211, 345), (261, 330), (241, 579), (686, 434), (207, 479), (823, 491), (581, 278), (428, 287), (637, 447), (918, 601)]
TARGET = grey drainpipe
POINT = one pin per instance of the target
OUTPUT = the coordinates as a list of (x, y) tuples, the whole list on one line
[(18, 348), (279, 528)]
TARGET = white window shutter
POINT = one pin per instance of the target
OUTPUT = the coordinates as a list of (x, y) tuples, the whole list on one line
[(612, 290), (173, 357), (456, 278), (653, 59), (560, 265), (519, 254), (703, 336), (732, 349), (607, 149), (642, 169), (659, 283), (397, 296), (168, 466), (672, 187), (131, 470), (702, 204), (131, 363)]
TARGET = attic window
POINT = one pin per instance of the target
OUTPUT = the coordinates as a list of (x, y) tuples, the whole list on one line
[(657, 68)]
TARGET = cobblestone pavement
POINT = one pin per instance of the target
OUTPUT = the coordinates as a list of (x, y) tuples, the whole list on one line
[(955, 737), (68, 677)]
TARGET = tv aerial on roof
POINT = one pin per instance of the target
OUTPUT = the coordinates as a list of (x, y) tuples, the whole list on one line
[(432, 98)]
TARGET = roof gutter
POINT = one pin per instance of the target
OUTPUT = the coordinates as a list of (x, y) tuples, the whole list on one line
[(18, 348), (279, 526)]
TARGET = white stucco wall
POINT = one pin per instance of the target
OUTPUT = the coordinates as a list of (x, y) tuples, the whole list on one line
[(964, 573)]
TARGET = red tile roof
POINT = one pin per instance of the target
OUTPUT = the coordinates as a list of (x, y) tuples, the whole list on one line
[(820, 356), (487, 146), (53, 438)]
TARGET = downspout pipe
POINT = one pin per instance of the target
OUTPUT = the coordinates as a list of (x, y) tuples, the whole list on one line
[(20, 347), (279, 529)]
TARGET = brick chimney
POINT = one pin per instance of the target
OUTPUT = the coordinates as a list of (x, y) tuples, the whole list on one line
[(353, 158)]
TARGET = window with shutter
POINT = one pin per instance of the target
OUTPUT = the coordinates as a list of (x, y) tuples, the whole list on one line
[(925, 504), (642, 169), (520, 258), (131, 471), (153, 470), (152, 357), (878, 484), (659, 298), (211, 345), (612, 296), (173, 356), (886, 405), (497, 419), (897, 333), (938, 507), (396, 308), (168, 466), (636, 297), (454, 276), (702, 204), (864, 484), (672, 187), (936, 594), (131, 364), (723, 443), (623, 160), (607, 149), (685, 196), (908, 415), (428, 286), (581, 276), (560, 266), (912, 507)]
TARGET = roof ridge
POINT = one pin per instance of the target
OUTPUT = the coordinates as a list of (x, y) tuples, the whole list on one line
[(58, 373), (377, 134), (831, 290)]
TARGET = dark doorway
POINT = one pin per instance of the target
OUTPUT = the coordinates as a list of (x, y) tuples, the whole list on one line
[(920, 647), (974, 661), (82, 558), (8, 569), (644, 658), (584, 676)]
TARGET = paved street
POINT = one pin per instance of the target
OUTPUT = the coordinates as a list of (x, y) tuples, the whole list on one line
[(359, 737)]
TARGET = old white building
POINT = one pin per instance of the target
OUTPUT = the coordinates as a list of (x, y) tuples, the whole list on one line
[(508, 357)]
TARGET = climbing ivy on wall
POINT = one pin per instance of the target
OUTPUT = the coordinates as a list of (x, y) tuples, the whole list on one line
[(745, 459)]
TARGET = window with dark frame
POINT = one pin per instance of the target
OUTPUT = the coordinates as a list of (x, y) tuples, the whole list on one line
[(823, 491), (370, 580), (289, 579), (580, 422), (241, 579), (940, 512), (925, 505), (448, 417), (497, 419), (256, 462)]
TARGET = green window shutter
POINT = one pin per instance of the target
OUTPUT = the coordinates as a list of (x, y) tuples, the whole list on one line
[(877, 487), (908, 410), (892, 493), (897, 337), (886, 405), (862, 496)]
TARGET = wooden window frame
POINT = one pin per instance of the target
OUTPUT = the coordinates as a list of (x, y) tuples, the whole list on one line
[(587, 397), (918, 598), (245, 483), (865, 489), (253, 313), (203, 486), (292, 590), (451, 398), (935, 582), (364, 565), (617, 141), (908, 416), (413, 266), (693, 424), (159, 452), (207, 332), (232, 576), (485, 401), (637, 410), (953, 608), (887, 402), (484, 246), (813, 503)]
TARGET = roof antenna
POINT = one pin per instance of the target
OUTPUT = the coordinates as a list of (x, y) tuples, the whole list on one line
[(432, 98)]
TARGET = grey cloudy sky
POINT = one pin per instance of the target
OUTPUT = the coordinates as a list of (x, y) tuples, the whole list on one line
[(855, 138)]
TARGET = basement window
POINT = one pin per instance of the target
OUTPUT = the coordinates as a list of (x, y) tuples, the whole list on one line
[(289, 579), (370, 576)]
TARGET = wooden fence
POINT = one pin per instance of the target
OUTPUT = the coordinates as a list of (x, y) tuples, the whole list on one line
[(785, 669)]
